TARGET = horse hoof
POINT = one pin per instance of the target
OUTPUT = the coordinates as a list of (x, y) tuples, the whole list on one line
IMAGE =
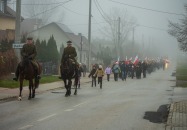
[(29, 98), (19, 98), (66, 95), (75, 93), (33, 96)]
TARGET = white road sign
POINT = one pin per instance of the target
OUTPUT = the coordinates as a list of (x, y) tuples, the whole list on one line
[(17, 45)]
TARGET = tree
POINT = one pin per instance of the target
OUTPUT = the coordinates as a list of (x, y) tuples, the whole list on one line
[(126, 22), (53, 54), (179, 31), (44, 10)]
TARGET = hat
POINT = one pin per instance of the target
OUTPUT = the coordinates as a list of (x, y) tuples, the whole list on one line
[(69, 42), (29, 38), (100, 66)]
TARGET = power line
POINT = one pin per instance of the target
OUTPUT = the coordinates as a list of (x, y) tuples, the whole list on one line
[(39, 3), (51, 8), (100, 11), (158, 11), (74, 12)]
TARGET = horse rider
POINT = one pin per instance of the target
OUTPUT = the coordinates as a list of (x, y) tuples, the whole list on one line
[(69, 52), (29, 51)]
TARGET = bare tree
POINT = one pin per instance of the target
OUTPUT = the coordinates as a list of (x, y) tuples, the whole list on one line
[(45, 10), (127, 23), (179, 31)]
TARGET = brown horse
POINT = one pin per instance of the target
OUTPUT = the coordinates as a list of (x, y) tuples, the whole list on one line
[(27, 72), (68, 72)]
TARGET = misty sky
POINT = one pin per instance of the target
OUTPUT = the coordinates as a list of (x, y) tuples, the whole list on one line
[(153, 25)]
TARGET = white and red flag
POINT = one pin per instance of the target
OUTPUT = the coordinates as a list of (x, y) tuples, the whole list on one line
[(136, 60)]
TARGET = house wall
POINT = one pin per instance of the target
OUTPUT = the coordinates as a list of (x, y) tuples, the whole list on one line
[(58, 34), (45, 33), (7, 23)]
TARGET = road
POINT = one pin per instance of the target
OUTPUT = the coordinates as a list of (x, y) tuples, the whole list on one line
[(135, 104)]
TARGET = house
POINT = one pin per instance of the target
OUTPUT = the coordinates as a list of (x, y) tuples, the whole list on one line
[(62, 34), (7, 21)]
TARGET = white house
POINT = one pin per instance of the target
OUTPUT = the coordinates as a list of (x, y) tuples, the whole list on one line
[(62, 34)]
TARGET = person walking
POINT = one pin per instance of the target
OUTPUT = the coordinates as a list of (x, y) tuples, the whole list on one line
[(93, 76), (99, 73), (108, 71), (123, 70), (116, 70)]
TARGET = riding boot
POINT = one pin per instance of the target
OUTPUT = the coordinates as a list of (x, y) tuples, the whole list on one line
[(37, 76), (16, 73)]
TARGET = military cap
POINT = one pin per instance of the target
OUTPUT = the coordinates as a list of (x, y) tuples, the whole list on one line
[(69, 42), (29, 38)]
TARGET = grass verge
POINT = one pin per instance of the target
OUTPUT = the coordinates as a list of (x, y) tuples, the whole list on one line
[(15, 84), (181, 74)]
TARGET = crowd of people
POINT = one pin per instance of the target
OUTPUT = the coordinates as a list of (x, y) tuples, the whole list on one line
[(126, 69)]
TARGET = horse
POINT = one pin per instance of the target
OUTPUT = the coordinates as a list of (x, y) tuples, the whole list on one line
[(27, 72), (69, 71)]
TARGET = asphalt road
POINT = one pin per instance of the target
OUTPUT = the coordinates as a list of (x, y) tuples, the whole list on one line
[(135, 104)]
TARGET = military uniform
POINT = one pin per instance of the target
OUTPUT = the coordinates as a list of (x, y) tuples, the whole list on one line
[(29, 51), (69, 52)]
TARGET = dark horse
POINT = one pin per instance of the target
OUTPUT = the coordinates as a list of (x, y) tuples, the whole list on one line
[(27, 72), (68, 72)]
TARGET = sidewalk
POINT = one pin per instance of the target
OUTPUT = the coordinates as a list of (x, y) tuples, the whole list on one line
[(177, 118), (12, 94)]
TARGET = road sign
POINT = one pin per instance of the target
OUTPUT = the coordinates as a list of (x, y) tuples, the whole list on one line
[(17, 46)]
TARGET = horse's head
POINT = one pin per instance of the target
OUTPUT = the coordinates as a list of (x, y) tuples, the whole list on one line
[(68, 68)]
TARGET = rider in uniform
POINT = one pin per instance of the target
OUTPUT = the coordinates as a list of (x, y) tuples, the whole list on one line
[(28, 51), (69, 52)]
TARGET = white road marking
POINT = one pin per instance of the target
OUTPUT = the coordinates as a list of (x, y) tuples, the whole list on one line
[(68, 110), (46, 117), (25, 127), (79, 104)]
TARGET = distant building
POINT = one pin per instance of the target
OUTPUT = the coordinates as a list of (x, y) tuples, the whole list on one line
[(7, 21), (62, 34)]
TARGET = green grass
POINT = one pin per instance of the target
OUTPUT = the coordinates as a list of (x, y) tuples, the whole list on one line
[(181, 73), (15, 84)]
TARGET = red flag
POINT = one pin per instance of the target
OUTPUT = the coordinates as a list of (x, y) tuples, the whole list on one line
[(136, 60)]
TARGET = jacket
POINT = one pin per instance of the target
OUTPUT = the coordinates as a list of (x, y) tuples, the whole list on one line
[(99, 73), (108, 70), (69, 52)]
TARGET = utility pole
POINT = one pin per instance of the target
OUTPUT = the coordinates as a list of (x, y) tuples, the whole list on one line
[(118, 46), (81, 49), (17, 28), (133, 41), (89, 35)]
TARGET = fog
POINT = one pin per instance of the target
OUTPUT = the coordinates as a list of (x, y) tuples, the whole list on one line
[(151, 18)]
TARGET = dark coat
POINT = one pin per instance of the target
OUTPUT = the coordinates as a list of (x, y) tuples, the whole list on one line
[(69, 52), (29, 50)]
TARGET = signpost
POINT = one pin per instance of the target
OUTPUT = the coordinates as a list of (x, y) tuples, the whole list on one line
[(17, 45)]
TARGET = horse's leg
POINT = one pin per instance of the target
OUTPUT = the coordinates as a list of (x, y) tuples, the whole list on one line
[(33, 88), (66, 86), (30, 89), (69, 86), (20, 89), (76, 84)]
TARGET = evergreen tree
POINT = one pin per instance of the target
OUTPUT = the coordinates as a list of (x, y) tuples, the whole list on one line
[(53, 54), (43, 51)]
